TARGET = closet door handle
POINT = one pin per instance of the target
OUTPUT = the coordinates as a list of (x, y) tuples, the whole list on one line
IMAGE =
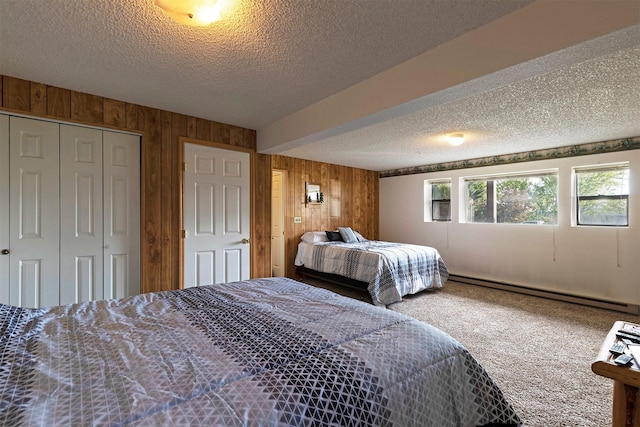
[(5, 252)]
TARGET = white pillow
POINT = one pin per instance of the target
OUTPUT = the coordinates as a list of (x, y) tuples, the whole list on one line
[(347, 234), (314, 236), (359, 237)]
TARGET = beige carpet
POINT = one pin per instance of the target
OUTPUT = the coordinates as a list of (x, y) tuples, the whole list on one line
[(538, 351)]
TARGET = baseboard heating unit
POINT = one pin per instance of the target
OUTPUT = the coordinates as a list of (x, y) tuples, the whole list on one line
[(593, 302)]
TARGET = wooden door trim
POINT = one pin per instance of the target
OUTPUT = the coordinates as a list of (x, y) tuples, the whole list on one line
[(285, 178), (182, 140), (70, 122)]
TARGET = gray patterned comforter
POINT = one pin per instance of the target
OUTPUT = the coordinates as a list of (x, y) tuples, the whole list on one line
[(392, 270), (264, 352)]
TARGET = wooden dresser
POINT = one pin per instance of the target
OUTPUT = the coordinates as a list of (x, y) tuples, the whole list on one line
[(626, 398)]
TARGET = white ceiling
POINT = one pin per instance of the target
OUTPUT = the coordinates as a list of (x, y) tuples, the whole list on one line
[(374, 84)]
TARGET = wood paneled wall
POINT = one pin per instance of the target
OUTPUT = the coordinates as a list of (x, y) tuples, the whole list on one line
[(351, 195), (159, 130), (350, 200)]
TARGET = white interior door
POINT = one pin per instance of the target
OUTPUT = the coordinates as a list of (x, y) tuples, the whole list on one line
[(277, 224), (216, 214), (34, 205), (4, 209), (121, 249), (81, 231)]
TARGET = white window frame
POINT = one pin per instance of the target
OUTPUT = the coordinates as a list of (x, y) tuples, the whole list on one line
[(428, 199), (575, 197), (464, 202)]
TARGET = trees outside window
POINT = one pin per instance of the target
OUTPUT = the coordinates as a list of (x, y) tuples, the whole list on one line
[(516, 199), (602, 195), (438, 200)]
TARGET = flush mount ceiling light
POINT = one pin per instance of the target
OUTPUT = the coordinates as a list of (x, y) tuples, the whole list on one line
[(193, 12), (456, 139)]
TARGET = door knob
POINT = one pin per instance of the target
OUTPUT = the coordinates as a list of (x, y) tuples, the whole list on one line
[(5, 252), (245, 241)]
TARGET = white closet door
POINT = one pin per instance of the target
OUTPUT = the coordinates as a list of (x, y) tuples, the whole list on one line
[(121, 214), (81, 252), (4, 209), (34, 213)]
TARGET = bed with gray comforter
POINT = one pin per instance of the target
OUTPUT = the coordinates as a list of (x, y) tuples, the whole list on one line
[(263, 352), (390, 270)]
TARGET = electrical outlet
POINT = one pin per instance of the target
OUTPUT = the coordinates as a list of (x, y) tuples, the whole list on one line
[(297, 220)]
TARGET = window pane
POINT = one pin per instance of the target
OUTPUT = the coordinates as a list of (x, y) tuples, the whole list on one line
[(518, 199), (602, 196), (477, 202), (603, 183), (441, 191), (441, 211), (437, 200), (602, 212), (529, 200)]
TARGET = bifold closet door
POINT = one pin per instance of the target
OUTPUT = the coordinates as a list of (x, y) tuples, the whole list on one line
[(69, 213), (121, 214), (4, 209), (100, 214), (34, 213), (81, 228)]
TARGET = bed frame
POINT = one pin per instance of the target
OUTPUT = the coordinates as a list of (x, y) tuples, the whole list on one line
[(303, 271)]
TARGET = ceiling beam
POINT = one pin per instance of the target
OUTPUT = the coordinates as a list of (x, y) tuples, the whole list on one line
[(535, 30)]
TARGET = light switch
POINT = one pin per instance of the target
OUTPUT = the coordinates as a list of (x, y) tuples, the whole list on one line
[(297, 220)]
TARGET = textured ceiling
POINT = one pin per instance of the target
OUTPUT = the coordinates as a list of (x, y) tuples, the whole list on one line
[(590, 101), (269, 61)]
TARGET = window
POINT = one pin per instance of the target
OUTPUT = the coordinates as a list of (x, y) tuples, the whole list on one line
[(527, 198), (602, 195), (438, 200)]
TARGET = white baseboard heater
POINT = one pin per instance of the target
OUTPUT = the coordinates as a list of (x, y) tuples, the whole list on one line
[(593, 302)]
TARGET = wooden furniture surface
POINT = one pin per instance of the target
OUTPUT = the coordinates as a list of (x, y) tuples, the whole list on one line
[(626, 398)]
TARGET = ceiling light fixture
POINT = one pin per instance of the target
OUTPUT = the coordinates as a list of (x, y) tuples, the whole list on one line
[(456, 139), (193, 12)]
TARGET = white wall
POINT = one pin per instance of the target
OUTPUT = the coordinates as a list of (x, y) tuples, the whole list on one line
[(595, 262)]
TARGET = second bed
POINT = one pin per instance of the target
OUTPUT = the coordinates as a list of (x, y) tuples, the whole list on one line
[(389, 270)]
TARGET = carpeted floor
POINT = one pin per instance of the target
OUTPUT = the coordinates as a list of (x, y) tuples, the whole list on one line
[(539, 351)]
